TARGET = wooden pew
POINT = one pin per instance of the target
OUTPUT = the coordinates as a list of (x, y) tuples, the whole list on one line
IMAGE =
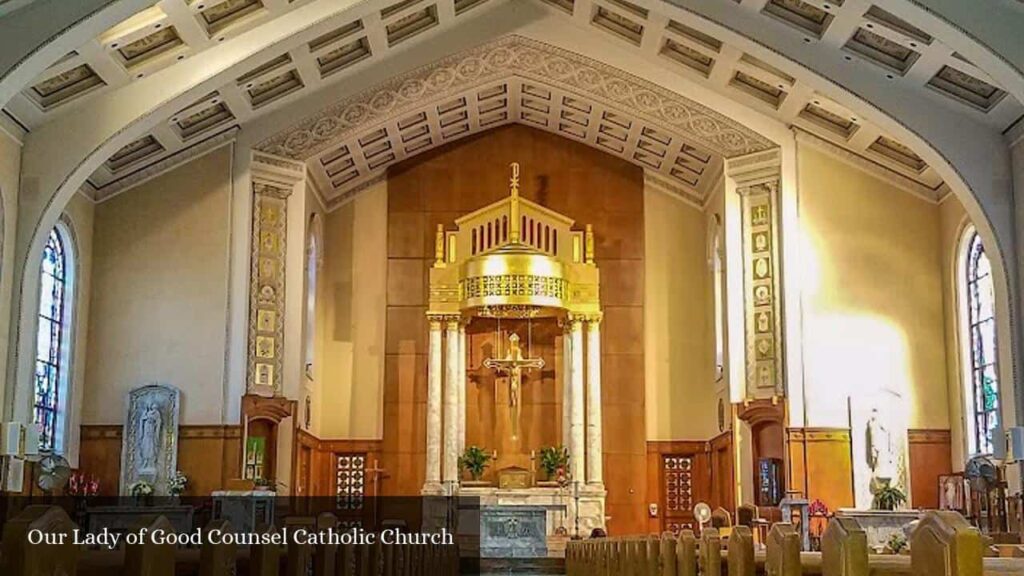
[(710, 552), (264, 559), (844, 548), (149, 558), (741, 552), (783, 557), (217, 559), (944, 544), (20, 558), (686, 554)]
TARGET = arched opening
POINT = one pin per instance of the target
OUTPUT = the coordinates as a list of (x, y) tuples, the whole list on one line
[(54, 339), (976, 311)]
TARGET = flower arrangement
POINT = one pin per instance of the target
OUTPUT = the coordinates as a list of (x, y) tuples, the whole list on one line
[(177, 484), (141, 489), (81, 485), (474, 460), (818, 508), (554, 460)]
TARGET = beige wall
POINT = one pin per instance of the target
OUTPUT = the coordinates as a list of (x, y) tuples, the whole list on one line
[(873, 315), (351, 368), (159, 292), (10, 173), (680, 396)]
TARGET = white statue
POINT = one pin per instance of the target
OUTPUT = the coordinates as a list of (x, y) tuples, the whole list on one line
[(150, 426), (881, 452)]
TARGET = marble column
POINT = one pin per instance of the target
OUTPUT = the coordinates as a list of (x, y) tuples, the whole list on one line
[(566, 384), (433, 471), (451, 403), (594, 447), (576, 433), (462, 388)]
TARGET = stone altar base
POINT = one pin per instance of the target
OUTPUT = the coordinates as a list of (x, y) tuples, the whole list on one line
[(560, 504), (880, 525)]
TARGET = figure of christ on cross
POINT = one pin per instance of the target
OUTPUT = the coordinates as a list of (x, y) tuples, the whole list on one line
[(512, 366)]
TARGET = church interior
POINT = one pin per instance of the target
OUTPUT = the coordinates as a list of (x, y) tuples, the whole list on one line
[(612, 268)]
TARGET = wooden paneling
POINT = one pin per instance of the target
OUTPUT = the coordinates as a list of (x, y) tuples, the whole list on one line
[(712, 479), (208, 455), (570, 178), (820, 464), (930, 457)]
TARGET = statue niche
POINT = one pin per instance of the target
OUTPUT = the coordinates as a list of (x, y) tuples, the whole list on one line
[(149, 441)]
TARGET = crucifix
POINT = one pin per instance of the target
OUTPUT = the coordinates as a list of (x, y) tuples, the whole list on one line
[(513, 365)]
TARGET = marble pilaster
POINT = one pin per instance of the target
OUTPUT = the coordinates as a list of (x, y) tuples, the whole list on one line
[(462, 389), (451, 403), (433, 471), (594, 439), (577, 448)]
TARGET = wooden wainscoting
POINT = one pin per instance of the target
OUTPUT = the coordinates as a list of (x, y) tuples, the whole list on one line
[(930, 456), (681, 473), (207, 454), (821, 465)]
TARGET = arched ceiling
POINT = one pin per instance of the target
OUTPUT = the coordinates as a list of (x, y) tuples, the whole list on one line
[(516, 80), (177, 32)]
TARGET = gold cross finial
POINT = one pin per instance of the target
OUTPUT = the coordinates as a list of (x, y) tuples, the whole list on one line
[(513, 207), (514, 180)]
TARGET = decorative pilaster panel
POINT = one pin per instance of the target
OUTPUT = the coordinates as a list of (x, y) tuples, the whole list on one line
[(267, 286), (757, 183), (273, 181)]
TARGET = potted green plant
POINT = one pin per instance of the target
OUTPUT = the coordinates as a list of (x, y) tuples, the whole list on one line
[(474, 460), (896, 544), (889, 498), (553, 461)]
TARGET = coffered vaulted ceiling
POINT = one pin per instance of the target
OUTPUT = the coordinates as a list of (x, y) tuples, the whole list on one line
[(513, 79)]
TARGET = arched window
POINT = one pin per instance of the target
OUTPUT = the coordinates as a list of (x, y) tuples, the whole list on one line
[(978, 339), (53, 340)]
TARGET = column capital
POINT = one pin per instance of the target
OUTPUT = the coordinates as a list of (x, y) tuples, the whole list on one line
[(574, 319), (443, 318), (754, 169), (275, 174)]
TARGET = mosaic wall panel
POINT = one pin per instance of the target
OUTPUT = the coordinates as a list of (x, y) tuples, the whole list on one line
[(761, 262), (267, 285)]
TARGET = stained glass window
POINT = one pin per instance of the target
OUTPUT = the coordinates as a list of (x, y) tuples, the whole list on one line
[(980, 328), (51, 353)]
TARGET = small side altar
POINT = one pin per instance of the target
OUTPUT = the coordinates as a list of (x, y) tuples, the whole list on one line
[(880, 525), (244, 509)]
